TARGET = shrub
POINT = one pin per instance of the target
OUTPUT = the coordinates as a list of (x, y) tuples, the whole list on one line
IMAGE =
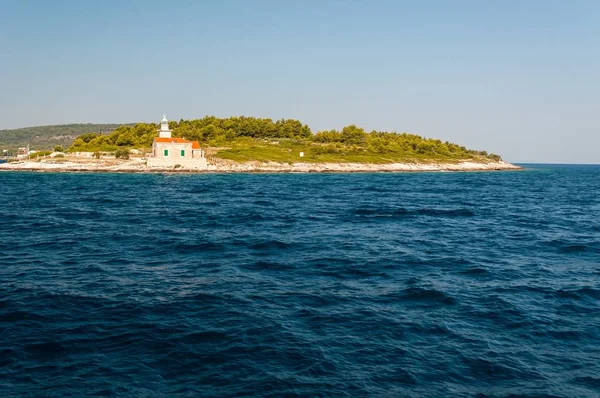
[(39, 154), (122, 153), (97, 155)]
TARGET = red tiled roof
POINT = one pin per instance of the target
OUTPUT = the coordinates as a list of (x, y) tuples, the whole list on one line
[(174, 139), (195, 144)]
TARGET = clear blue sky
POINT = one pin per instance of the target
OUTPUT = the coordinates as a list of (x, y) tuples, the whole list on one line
[(516, 77)]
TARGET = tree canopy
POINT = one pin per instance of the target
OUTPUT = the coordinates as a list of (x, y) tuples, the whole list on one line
[(207, 130)]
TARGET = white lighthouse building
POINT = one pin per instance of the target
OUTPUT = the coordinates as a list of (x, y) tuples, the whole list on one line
[(164, 131), (169, 152)]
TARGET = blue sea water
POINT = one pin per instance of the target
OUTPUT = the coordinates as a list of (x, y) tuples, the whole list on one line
[(414, 284)]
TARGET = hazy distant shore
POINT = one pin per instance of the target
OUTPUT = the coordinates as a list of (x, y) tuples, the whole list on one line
[(139, 166)]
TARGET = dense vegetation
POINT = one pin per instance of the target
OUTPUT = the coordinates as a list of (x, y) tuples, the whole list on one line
[(209, 131), (249, 138), (47, 137)]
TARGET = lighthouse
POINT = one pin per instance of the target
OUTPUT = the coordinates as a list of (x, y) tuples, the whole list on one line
[(164, 131), (175, 152)]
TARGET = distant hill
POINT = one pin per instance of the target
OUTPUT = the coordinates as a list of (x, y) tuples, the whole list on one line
[(46, 137)]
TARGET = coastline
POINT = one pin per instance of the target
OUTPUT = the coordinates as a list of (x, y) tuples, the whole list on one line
[(223, 166)]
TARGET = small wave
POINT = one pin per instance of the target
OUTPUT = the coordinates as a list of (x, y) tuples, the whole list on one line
[(117, 261), (320, 369), (573, 249), (268, 266), (376, 188), (262, 202), (570, 247), (383, 212), (363, 272), (80, 214), (270, 245), (310, 299), (244, 217), (254, 217), (203, 297), (327, 262), (94, 269), (447, 261), (580, 293), (50, 348), (351, 274), (16, 316), (198, 247), (92, 199), (203, 337), (397, 375), (569, 335), (588, 381), (7, 356), (413, 281), (446, 213), (580, 310), (476, 271), (209, 203), (403, 212), (484, 369), (421, 294)]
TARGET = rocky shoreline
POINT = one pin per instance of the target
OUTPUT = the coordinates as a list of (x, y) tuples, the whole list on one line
[(223, 166)]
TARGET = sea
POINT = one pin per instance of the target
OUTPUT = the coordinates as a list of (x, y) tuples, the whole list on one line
[(483, 284)]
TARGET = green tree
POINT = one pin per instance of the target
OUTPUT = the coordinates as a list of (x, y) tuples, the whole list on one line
[(328, 136), (353, 135), (87, 137)]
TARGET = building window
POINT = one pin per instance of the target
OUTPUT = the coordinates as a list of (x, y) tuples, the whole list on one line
[(166, 152), (182, 153)]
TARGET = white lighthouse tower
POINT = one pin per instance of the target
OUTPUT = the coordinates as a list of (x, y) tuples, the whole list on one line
[(164, 131)]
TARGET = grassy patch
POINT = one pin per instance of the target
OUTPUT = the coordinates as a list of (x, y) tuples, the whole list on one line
[(288, 151)]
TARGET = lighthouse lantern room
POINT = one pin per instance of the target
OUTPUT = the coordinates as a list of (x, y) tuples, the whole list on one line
[(164, 131)]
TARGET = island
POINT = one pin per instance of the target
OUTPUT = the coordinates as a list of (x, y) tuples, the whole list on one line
[(249, 144)]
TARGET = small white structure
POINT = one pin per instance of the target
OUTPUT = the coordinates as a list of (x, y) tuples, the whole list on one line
[(82, 154), (164, 131), (171, 152), (23, 152)]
